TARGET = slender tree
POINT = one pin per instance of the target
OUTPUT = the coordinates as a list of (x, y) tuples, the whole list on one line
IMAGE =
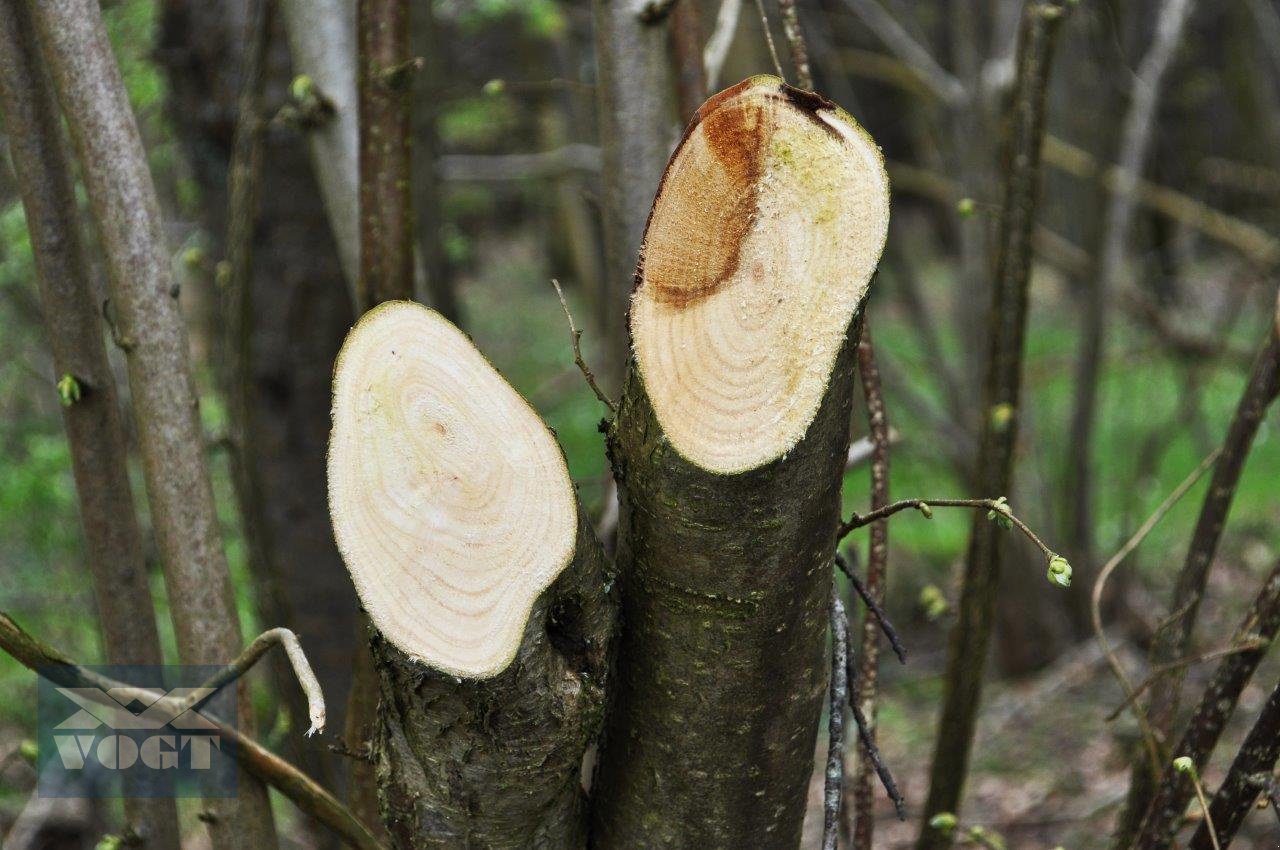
[(971, 634), (149, 326), (90, 410)]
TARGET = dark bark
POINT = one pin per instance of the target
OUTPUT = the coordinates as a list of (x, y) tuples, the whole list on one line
[(866, 687), (971, 635), (721, 672), (427, 190), (1173, 641), (497, 763), (1249, 777), (384, 81), (145, 307), (1206, 725), (99, 454)]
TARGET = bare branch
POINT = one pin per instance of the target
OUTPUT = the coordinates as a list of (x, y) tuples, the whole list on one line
[(945, 85), (576, 336), (839, 698), (877, 612), (717, 49), (297, 660)]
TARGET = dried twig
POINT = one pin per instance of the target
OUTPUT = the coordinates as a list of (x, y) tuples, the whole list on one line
[(877, 612), (868, 742), (305, 793), (768, 38), (795, 38), (945, 85), (1202, 658), (297, 659), (576, 335)]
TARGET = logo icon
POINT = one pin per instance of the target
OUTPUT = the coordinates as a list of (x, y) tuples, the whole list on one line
[(152, 732)]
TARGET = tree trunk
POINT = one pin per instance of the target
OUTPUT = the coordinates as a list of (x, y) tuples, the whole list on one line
[(454, 511), (145, 308), (99, 453), (729, 469)]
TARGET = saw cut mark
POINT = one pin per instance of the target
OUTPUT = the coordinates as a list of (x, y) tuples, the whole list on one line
[(766, 231), (451, 503)]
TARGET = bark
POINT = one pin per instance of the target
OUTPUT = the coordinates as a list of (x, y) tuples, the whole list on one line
[(1207, 723), (384, 83), (99, 452), (145, 308), (427, 189), (300, 312), (1249, 776), (322, 39), (497, 763), (721, 669), (686, 42), (866, 689), (971, 635), (1174, 640), (632, 90)]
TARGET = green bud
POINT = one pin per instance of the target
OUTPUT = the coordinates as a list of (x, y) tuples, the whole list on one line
[(1184, 764), (302, 88), (109, 842), (924, 508), (944, 822), (1059, 571), (933, 602), (1000, 514), (1001, 416), (193, 257), (965, 207), (495, 87), (68, 389), (29, 751)]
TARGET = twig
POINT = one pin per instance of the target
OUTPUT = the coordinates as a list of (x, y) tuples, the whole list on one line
[(1154, 675), (945, 85), (768, 38), (874, 607), (868, 742), (795, 38), (997, 506), (576, 335), (717, 49), (839, 698), (1187, 766), (297, 659), (1100, 584), (305, 793)]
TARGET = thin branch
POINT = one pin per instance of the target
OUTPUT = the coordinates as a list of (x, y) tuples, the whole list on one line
[(297, 660), (768, 38), (945, 85), (925, 507), (877, 612), (717, 49), (839, 698), (1100, 585), (576, 335), (868, 741), (305, 793), (795, 38), (1204, 657), (1204, 807)]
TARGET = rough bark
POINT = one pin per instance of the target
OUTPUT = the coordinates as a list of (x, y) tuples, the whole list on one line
[(1207, 723), (633, 92), (145, 309), (718, 689), (971, 635), (113, 542), (384, 84), (1249, 776), (497, 763)]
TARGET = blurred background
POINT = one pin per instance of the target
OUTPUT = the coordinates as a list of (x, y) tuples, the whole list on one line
[(1140, 339)]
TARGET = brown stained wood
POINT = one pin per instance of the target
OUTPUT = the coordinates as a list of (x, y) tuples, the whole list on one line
[(765, 232)]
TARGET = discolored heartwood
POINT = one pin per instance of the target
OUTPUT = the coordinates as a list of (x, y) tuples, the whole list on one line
[(728, 449)]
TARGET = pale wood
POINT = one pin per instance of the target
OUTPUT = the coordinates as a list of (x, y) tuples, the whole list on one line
[(451, 502), (762, 242)]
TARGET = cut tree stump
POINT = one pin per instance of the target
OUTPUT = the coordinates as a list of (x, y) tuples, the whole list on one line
[(454, 512), (728, 448)]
